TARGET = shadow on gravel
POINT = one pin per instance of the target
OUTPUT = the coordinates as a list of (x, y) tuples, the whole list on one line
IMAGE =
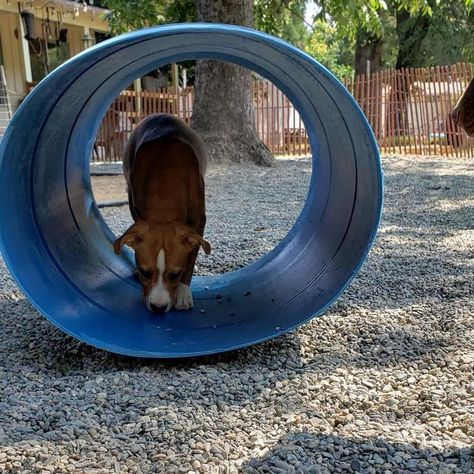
[(38, 346), (309, 453)]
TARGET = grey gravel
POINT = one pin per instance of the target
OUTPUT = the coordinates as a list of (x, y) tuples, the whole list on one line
[(382, 383), (249, 210)]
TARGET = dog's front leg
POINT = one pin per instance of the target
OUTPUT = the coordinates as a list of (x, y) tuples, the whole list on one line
[(184, 296)]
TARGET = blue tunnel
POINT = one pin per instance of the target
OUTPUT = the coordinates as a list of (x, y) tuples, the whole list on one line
[(59, 249)]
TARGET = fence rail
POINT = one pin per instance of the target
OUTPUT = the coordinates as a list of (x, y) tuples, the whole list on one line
[(408, 110)]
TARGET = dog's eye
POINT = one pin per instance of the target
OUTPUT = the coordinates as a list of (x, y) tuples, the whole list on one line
[(174, 275), (145, 273)]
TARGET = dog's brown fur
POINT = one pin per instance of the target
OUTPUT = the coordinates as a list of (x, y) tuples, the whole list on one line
[(164, 163), (463, 113)]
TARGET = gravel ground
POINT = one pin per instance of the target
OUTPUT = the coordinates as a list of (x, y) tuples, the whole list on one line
[(382, 383)]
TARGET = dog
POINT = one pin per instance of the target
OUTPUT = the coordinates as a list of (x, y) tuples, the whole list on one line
[(164, 166), (463, 113)]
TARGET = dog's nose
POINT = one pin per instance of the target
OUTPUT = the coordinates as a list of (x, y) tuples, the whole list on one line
[(158, 309)]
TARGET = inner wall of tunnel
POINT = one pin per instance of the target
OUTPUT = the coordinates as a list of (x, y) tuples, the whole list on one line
[(250, 209)]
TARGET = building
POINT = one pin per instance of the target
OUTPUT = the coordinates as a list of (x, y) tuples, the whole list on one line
[(36, 36)]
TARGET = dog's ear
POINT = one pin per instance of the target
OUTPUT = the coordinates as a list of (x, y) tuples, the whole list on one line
[(195, 240), (132, 237)]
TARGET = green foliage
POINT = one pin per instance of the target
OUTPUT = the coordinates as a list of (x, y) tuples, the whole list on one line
[(283, 18), (351, 15), (127, 15), (326, 46), (450, 37)]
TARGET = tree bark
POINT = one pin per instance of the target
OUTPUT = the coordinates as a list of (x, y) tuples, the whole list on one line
[(368, 48), (411, 31), (223, 112)]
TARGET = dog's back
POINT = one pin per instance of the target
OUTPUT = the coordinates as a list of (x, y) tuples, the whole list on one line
[(163, 126), (164, 161)]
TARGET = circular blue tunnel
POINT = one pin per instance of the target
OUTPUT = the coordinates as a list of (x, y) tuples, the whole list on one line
[(59, 249)]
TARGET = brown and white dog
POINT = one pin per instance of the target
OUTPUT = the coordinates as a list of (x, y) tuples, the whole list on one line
[(164, 166), (463, 113)]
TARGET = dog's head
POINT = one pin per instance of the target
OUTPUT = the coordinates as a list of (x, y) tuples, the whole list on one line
[(463, 113), (161, 255)]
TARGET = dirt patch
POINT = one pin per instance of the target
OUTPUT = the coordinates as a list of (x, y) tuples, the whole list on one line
[(109, 188)]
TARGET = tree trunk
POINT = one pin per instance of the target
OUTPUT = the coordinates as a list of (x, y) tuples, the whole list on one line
[(223, 112), (411, 31), (368, 48)]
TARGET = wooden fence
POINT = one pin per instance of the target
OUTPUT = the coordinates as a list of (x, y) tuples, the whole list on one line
[(277, 122), (408, 110)]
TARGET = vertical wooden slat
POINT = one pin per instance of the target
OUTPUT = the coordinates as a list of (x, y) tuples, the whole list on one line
[(185, 105), (463, 79), (384, 99), (273, 118), (419, 111), (404, 84), (415, 112), (457, 74), (368, 100), (389, 111), (434, 109), (145, 108), (398, 115), (278, 114), (292, 137), (378, 108), (300, 133), (392, 110), (264, 110), (372, 102), (255, 104), (423, 109), (193, 93), (453, 76), (444, 122), (442, 117), (260, 110), (362, 93), (270, 116), (468, 76), (267, 115), (445, 100), (426, 120), (393, 83)]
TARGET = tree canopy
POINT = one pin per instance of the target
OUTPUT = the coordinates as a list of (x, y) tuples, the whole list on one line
[(406, 32)]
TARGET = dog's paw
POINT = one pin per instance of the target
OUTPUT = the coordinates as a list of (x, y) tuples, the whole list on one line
[(184, 297)]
